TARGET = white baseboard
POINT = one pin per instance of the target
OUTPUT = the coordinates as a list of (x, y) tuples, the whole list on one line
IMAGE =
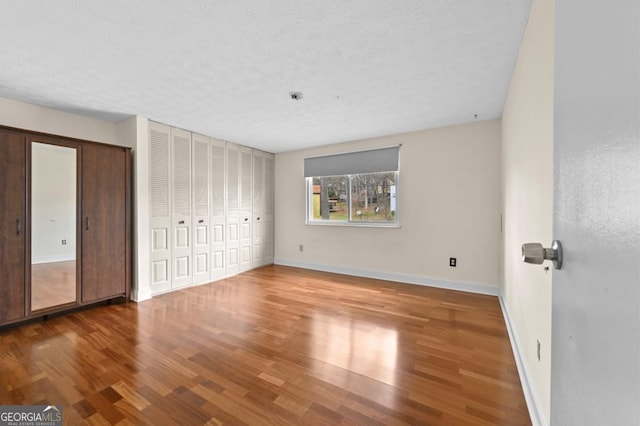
[(139, 296), (470, 287), (53, 258), (533, 402)]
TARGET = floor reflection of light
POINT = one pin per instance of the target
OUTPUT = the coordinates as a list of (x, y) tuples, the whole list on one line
[(358, 346)]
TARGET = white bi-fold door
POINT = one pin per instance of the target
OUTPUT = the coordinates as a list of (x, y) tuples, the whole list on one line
[(211, 207), (181, 220), (218, 220), (246, 209), (160, 207), (267, 214), (262, 208), (258, 207), (233, 209), (201, 195)]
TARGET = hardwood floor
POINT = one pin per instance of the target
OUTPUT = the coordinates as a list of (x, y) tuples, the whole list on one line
[(276, 345), (52, 284)]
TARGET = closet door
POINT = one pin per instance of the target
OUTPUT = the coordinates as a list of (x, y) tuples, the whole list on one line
[(233, 209), (13, 218), (267, 215), (161, 232), (182, 261), (201, 228), (104, 227), (246, 208), (258, 208), (218, 196)]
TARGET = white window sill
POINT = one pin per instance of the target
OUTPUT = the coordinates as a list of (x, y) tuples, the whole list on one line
[(352, 224)]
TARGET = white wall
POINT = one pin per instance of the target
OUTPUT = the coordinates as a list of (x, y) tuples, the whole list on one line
[(53, 203), (449, 201), (527, 194), (141, 192), (47, 120), (133, 132)]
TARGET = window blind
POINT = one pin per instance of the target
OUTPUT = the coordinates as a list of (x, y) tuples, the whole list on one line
[(370, 161)]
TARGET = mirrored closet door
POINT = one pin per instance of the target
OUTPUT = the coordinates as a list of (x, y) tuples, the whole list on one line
[(54, 225)]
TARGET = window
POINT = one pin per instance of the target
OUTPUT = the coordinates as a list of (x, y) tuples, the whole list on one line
[(357, 188)]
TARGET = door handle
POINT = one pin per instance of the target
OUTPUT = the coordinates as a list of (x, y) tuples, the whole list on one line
[(201, 221), (246, 219), (18, 226), (87, 223), (181, 222), (536, 254), (258, 219)]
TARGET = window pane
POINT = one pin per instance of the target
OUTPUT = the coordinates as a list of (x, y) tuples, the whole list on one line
[(329, 198), (373, 197)]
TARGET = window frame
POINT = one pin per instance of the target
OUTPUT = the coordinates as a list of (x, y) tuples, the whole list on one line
[(349, 221)]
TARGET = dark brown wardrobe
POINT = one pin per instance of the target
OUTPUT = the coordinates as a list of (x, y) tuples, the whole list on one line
[(62, 244)]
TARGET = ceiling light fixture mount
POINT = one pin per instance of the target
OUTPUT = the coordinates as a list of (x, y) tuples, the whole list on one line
[(296, 96)]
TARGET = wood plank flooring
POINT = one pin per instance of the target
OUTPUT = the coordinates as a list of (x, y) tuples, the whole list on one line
[(276, 345), (52, 284)]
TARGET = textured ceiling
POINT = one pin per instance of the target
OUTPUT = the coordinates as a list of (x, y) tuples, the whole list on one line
[(225, 68)]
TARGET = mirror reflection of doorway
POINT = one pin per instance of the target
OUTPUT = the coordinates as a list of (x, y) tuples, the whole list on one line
[(53, 225)]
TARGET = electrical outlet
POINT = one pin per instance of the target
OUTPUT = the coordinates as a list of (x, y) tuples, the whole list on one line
[(452, 262), (538, 348), (64, 242), (300, 247)]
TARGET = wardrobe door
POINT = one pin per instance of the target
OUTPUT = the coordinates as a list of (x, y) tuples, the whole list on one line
[(201, 241), (246, 208), (218, 221), (12, 217), (104, 227)]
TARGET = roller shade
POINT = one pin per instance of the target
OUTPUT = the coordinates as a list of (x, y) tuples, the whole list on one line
[(371, 161)]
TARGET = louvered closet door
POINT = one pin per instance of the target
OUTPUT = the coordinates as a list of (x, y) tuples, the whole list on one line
[(258, 208), (218, 239), (181, 255), (267, 215), (161, 230), (201, 228), (233, 209), (246, 208)]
